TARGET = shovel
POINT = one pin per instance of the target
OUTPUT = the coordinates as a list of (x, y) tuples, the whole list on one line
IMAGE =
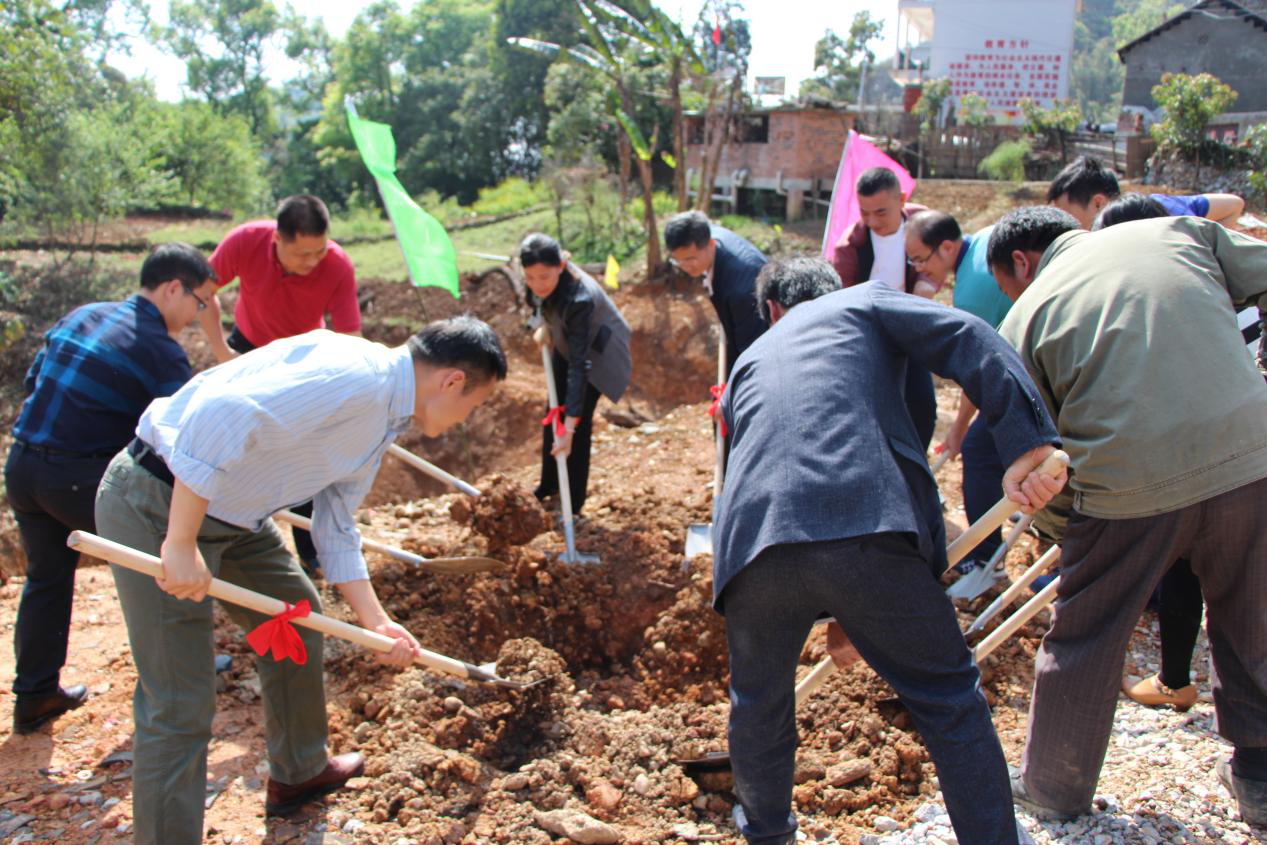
[(147, 564), (439, 565), (1009, 595), (955, 552), (431, 469), (982, 578), (565, 492), (699, 535)]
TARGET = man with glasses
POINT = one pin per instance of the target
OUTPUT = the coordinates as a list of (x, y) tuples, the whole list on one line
[(729, 266), (100, 367), (290, 276), (936, 247)]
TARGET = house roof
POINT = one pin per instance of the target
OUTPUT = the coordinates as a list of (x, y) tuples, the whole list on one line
[(1238, 10)]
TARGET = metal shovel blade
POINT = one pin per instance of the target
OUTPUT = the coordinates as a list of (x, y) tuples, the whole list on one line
[(699, 539), (486, 673), (712, 761), (975, 583)]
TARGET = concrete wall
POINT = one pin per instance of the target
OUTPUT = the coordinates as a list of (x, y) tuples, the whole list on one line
[(1233, 50)]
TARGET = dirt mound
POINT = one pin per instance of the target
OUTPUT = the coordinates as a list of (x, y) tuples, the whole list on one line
[(505, 514)]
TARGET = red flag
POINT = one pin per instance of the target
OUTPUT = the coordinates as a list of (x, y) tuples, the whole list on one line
[(280, 637), (714, 410), (717, 32)]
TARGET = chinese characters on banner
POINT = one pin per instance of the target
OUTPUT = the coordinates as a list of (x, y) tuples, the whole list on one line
[(1006, 70)]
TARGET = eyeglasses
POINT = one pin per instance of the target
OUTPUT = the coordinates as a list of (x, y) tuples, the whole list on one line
[(202, 303), (920, 262)]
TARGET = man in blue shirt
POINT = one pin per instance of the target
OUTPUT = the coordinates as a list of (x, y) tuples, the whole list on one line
[(303, 418), (1085, 187), (936, 246), (100, 366)]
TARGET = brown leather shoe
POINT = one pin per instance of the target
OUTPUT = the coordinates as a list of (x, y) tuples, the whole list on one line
[(30, 714), (284, 799), (1151, 692)]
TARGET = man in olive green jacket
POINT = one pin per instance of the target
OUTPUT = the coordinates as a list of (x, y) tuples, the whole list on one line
[(1130, 334)]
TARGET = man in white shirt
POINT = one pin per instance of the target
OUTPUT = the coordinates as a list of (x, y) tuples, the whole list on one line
[(306, 417)]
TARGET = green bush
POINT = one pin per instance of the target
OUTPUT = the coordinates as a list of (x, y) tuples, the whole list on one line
[(1007, 161), (1255, 143), (513, 195), (1190, 103)]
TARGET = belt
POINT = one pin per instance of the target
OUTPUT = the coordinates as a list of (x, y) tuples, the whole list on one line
[(61, 453), (148, 458)]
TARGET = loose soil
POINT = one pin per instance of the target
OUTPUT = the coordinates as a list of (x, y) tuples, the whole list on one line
[(632, 656)]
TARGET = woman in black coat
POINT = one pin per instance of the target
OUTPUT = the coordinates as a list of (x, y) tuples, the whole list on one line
[(591, 356)]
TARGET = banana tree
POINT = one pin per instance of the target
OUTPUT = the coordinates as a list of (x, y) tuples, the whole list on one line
[(606, 54)]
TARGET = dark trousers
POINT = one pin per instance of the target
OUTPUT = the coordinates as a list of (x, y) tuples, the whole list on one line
[(1109, 568), (51, 496), (578, 461), (921, 401), (303, 539), (1179, 609), (982, 483), (886, 598)]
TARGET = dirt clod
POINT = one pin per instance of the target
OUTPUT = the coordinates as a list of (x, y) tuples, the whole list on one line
[(506, 514)]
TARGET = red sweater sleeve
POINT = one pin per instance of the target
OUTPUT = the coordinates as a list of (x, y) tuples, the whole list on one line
[(345, 310)]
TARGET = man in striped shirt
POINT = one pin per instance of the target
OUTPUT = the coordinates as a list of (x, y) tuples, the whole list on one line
[(100, 366), (307, 417)]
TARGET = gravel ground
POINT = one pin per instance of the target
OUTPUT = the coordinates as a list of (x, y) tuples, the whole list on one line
[(1158, 783)]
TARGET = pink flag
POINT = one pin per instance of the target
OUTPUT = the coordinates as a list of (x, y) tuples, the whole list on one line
[(859, 155)]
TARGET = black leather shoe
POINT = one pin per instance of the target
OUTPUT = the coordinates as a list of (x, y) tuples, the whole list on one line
[(29, 714)]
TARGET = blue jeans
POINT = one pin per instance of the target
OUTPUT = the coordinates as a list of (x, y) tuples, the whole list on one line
[(885, 597), (982, 483)]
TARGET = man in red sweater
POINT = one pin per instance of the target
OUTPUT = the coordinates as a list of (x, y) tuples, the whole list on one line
[(875, 247), (291, 275)]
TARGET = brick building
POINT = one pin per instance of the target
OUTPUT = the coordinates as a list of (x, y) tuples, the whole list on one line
[(792, 149)]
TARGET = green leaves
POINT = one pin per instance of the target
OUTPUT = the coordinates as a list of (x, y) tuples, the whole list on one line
[(636, 139), (1190, 103)]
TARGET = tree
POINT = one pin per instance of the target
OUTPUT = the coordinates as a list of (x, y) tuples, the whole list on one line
[(1049, 127), (974, 111), (843, 61), (1189, 103), (725, 42), (223, 44), (1139, 17), (928, 108), (214, 159)]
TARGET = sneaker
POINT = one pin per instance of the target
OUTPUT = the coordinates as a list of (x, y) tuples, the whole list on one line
[(1250, 795), (1022, 798), (1151, 692)]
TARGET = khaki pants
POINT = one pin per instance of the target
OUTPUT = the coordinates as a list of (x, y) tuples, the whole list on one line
[(172, 646)]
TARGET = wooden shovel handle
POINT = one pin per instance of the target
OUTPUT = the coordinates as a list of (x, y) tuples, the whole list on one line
[(305, 523), (955, 552), (1012, 624), (431, 469), (147, 564)]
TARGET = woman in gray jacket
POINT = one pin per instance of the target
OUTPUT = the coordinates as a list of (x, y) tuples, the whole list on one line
[(591, 356)]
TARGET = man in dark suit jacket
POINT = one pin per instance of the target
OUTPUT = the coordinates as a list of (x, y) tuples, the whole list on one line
[(729, 266), (829, 507)]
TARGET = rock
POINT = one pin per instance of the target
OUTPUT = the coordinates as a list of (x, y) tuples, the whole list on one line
[(577, 826), (884, 824), (58, 800), (362, 732), (603, 796), (452, 704), (642, 784), (850, 771), (515, 782)]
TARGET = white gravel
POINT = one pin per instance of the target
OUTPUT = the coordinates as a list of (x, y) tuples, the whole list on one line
[(1158, 783)]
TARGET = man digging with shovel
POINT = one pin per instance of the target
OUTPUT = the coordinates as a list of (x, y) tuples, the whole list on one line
[(829, 507), (307, 417)]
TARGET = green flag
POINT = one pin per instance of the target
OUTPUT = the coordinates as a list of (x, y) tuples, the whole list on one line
[(428, 251)]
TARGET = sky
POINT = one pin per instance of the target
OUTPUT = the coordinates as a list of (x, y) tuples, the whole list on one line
[(783, 36)]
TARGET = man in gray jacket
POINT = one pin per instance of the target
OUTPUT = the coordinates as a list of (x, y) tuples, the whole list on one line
[(829, 507)]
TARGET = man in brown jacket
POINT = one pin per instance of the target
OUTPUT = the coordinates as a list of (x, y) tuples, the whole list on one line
[(875, 247)]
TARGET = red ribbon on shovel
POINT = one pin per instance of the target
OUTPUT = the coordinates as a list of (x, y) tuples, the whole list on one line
[(280, 637), (556, 416), (714, 410)]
